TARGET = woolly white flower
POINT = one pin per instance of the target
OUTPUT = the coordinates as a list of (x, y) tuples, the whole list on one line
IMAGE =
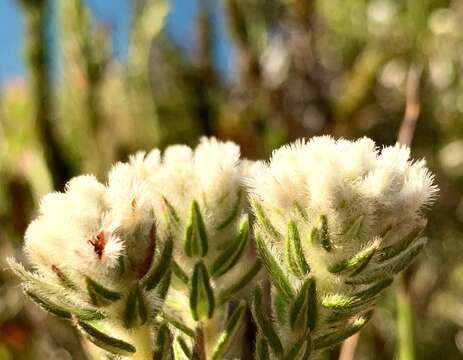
[(340, 217), (110, 247), (210, 175), (334, 221), (70, 230)]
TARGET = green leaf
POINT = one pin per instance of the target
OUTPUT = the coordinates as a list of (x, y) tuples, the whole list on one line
[(294, 252), (63, 278), (121, 265), (63, 310), (196, 242), (264, 221), (99, 293), (353, 232), (277, 275), (104, 340), (406, 257), (228, 335), (163, 287), (36, 282), (163, 348), (52, 298), (345, 303), (184, 346), (299, 350), (141, 306), (262, 352), (135, 312), (389, 267), (303, 311), (130, 312), (179, 324), (179, 272), (395, 249), (172, 215), (302, 212), (24, 274), (232, 253), (319, 234), (357, 262), (202, 301), (229, 219), (280, 307), (373, 290), (338, 302), (159, 267), (335, 337), (227, 293), (264, 325), (49, 306)]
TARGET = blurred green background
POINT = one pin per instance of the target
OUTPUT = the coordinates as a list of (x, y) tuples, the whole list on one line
[(258, 72)]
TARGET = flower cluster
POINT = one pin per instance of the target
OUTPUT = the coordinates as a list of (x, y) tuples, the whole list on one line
[(160, 261), (335, 221)]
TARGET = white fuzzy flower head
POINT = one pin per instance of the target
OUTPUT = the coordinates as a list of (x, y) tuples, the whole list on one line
[(344, 180), (339, 216), (108, 249)]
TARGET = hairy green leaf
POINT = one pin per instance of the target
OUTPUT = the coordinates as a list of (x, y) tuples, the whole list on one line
[(335, 337), (234, 213), (196, 242), (63, 310), (99, 293), (357, 262), (202, 300), (277, 275), (395, 249), (159, 267), (104, 340), (163, 348), (264, 221), (303, 311), (261, 352), (319, 234), (228, 335), (227, 293), (264, 325), (294, 252), (232, 253)]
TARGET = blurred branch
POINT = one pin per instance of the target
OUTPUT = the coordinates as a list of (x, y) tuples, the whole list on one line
[(205, 80), (148, 21), (412, 106), (85, 56), (250, 73), (41, 89), (348, 348), (358, 83)]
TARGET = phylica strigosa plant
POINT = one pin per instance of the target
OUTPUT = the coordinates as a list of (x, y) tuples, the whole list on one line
[(336, 220), (159, 262)]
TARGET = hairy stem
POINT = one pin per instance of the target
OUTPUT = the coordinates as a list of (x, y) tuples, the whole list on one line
[(405, 350)]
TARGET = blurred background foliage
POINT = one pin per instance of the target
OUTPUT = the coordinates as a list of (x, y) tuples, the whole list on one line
[(300, 68)]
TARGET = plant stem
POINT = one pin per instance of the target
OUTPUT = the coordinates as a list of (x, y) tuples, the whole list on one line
[(405, 349)]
